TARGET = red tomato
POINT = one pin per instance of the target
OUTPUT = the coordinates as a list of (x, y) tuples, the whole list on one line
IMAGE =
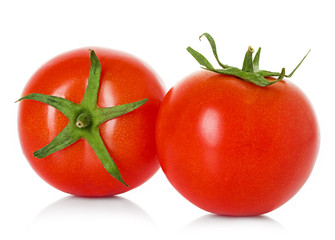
[(234, 148), (129, 138)]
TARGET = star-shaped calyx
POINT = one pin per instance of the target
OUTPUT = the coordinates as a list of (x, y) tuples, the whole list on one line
[(85, 119), (250, 71)]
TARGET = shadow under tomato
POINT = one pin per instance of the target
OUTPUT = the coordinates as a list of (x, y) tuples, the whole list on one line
[(90, 217), (108, 207), (227, 226)]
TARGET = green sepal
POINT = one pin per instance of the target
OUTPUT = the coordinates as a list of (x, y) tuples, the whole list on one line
[(250, 70), (201, 59), (254, 78), (91, 94), (85, 119), (64, 139), (213, 46), (98, 146), (105, 114), (255, 62), (67, 107)]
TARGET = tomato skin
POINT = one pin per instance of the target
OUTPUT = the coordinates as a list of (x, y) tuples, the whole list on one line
[(233, 148), (130, 139)]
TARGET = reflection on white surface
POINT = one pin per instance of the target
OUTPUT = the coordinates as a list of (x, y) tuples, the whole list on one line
[(108, 207), (89, 218), (217, 226), (117, 217)]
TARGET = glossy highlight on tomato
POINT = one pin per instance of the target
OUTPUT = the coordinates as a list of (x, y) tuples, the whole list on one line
[(129, 139), (233, 148)]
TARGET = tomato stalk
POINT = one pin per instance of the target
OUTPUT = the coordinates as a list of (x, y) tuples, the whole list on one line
[(250, 70), (85, 119)]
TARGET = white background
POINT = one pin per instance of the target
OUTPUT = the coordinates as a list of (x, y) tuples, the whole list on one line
[(158, 32)]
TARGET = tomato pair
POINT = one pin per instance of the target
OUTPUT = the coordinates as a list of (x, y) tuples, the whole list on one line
[(232, 141)]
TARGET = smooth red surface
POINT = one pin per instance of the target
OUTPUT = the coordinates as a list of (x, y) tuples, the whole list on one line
[(129, 139), (233, 148)]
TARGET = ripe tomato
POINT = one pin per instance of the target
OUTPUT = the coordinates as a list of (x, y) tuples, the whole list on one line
[(129, 139), (234, 148), (233, 141)]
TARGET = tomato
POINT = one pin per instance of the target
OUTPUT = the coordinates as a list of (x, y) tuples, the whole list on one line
[(129, 139), (234, 148)]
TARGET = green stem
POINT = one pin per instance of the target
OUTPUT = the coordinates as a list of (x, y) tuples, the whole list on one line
[(83, 120), (248, 63)]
